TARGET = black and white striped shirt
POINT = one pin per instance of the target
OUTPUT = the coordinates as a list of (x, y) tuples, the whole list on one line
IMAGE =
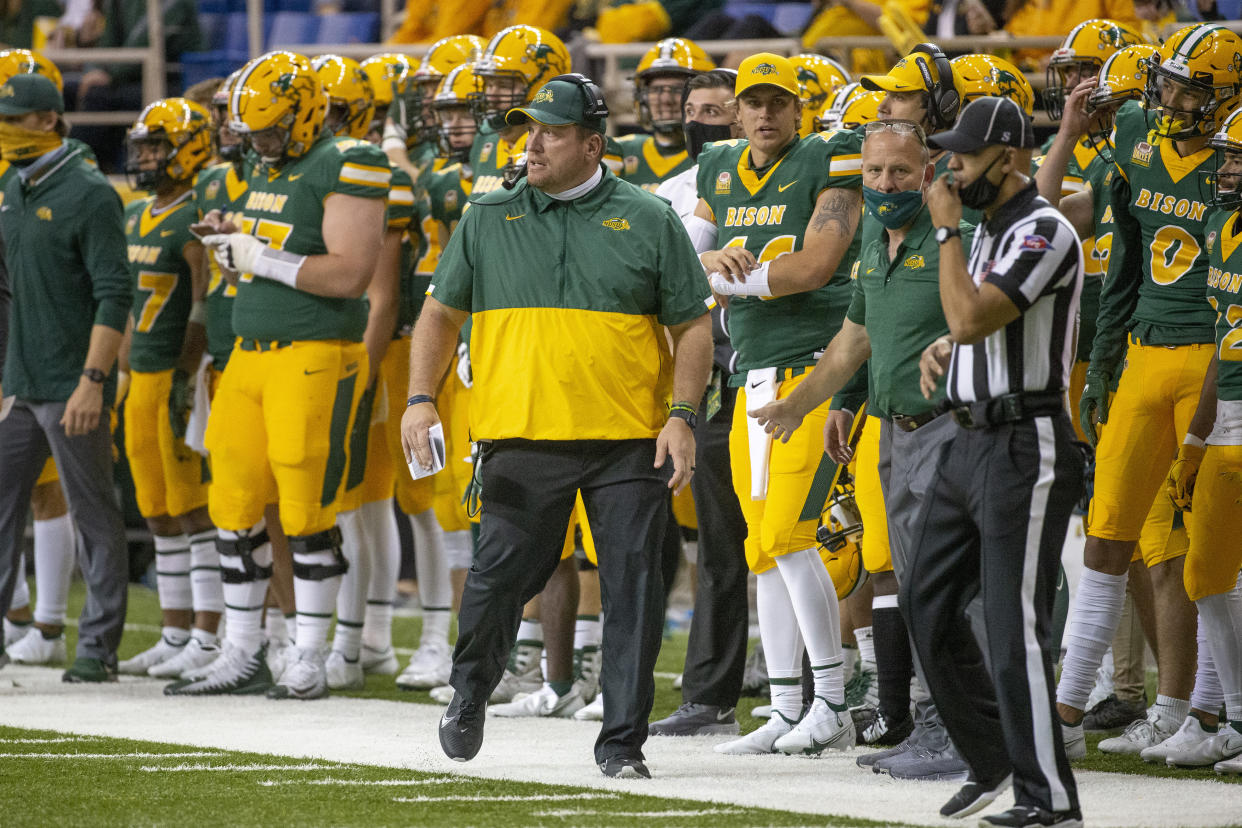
[(1031, 252)]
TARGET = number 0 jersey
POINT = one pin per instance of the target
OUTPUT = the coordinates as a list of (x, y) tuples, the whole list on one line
[(768, 216), (645, 165), (285, 209), (161, 279), (1224, 284)]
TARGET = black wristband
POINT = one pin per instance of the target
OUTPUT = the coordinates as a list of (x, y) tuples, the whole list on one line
[(420, 398), (95, 375)]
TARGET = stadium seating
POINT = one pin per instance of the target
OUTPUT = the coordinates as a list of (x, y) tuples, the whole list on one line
[(349, 27)]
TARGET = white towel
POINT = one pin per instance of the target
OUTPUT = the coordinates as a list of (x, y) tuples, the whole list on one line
[(761, 388), (196, 426)]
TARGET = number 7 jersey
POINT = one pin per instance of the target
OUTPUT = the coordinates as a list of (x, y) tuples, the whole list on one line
[(768, 216)]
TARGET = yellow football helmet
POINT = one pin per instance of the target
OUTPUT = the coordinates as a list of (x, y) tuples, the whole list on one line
[(390, 74), (454, 95), (1123, 77), (528, 55), (818, 77), (179, 132), (24, 61), (674, 57), (981, 76), (351, 102), (227, 145), (1196, 82), (840, 535), (279, 91), (1081, 56), (1228, 141), (443, 56)]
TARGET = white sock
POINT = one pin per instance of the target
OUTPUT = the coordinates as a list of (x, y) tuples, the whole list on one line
[(587, 632), (849, 658), (1221, 614), (1097, 611), (459, 548), (1173, 709), (814, 601), (207, 639), (243, 602), (21, 588), (172, 572), (385, 563), (435, 588), (530, 633), (275, 627), (175, 635), (55, 553), (351, 599), (782, 643), (1208, 694), (435, 627), (205, 587), (866, 644), (315, 599), (291, 626)]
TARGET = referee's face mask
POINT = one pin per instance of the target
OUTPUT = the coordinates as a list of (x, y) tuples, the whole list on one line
[(982, 192)]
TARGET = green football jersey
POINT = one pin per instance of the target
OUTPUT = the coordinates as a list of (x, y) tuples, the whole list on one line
[(645, 163), (1224, 248), (219, 187), (491, 155), (768, 216), (163, 290), (285, 208)]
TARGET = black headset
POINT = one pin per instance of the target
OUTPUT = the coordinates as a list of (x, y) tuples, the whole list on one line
[(596, 106), (943, 102)]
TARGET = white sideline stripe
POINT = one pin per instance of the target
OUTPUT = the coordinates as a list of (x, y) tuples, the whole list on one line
[(440, 780), (56, 741), (704, 812), (248, 767), (536, 798), (106, 755)]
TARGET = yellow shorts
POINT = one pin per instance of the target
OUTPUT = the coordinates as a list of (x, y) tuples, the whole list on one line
[(800, 479), (876, 555), (578, 519), (1147, 419), (169, 478), (278, 432), (683, 510), (413, 496), (1215, 544), (379, 472), (453, 405), (49, 473), (1163, 536)]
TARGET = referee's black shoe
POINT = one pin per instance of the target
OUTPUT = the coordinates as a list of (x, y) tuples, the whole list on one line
[(624, 767), (974, 797), (461, 729), (1026, 816)]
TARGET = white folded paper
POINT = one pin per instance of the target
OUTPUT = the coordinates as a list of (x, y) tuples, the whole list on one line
[(435, 436)]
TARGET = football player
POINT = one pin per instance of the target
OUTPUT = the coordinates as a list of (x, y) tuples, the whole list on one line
[(818, 78)]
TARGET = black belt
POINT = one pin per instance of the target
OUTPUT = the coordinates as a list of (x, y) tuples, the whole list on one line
[(912, 423), (261, 344), (1010, 408)]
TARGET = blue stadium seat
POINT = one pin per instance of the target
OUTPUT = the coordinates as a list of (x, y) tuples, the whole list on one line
[(741, 9), (791, 18), (213, 27), (198, 66), (292, 28), (347, 27), (213, 7), (235, 35), (293, 5)]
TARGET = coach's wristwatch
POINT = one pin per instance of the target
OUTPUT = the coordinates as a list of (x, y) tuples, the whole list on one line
[(95, 375), (943, 234), (684, 411)]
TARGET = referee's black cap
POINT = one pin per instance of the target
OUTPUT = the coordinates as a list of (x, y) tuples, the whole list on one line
[(987, 121)]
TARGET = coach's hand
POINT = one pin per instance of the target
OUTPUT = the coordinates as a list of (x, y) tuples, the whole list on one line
[(676, 440), (415, 423), (83, 409), (731, 262), (1180, 484), (780, 418), (837, 436), (1093, 405), (932, 365)]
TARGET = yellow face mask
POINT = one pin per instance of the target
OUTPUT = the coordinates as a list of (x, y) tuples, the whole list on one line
[(18, 144)]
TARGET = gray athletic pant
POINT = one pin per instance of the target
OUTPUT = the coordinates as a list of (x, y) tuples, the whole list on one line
[(30, 432)]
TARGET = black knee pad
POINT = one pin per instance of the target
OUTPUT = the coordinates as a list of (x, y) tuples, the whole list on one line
[(243, 548), (328, 541)]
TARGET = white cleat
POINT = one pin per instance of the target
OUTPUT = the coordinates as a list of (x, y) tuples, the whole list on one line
[(523, 675), (378, 662), (144, 661), (344, 674), (761, 711), (1221, 746), (593, 712), (305, 677), (542, 703), (587, 662), (193, 656), (822, 728), (1187, 738), (429, 667), (15, 632), (33, 648), (1229, 766), (279, 654), (1075, 741), (1142, 734), (759, 741), (442, 694)]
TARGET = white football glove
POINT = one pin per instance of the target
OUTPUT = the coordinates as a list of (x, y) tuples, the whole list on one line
[(243, 253)]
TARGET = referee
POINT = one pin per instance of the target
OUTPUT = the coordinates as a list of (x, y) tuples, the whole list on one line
[(995, 518), (570, 280)]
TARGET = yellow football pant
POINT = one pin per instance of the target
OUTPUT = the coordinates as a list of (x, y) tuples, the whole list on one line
[(1215, 543), (49, 473), (876, 554), (449, 486), (1147, 420), (413, 496), (169, 478), (380, 471), (578, 519), (278, 432)]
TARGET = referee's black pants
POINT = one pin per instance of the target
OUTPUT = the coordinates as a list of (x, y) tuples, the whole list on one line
[(716, 651), (528, 494), (993, 525)]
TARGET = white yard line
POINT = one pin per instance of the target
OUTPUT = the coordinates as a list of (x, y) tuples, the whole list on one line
[(645, 814), (403, 735), (501, 798), (105, 755), (305, 766), (393, 783)]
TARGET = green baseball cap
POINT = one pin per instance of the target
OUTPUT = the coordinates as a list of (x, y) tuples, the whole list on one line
[(559, 103), (29, 93)]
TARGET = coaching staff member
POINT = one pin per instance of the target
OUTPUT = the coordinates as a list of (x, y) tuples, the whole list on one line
[(65, 251), (995, 518), (571, 278)]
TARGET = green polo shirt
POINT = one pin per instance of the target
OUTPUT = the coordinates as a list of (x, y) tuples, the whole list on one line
[(65, 252), (569, 302), (898, 302)]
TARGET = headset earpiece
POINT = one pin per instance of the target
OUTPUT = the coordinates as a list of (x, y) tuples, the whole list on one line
[(943, 100), (596, 106)]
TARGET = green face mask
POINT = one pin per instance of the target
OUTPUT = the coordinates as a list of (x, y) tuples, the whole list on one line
[(893, 210)]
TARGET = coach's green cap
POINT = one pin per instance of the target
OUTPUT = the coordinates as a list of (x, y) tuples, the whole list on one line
[(29, 93), (563, 102)]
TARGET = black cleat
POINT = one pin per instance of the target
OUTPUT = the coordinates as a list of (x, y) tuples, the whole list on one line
[(1113, 714), (624, 767), (1026, 816), (461, 729), (973, 797)]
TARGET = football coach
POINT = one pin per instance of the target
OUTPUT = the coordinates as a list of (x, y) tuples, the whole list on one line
[(571, 279)]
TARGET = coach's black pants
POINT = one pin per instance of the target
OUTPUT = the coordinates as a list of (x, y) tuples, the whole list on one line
[(528, 493), (993, 525), (716, 651)]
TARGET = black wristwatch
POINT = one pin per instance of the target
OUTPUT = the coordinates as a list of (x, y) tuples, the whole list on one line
[(943, 234), (691, 418), (95, 375)]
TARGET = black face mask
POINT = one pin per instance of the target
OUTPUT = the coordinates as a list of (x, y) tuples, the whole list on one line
[(698, 134), (981, 192)]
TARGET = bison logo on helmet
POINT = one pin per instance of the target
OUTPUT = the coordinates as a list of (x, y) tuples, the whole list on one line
[(290, 85), (1115, 37), (1009, 87), (764, 69)]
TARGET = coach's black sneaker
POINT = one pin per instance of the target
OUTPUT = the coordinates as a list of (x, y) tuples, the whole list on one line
[(89, 671), (1026, 816), (974, 797), (876, 728), (624, 767), (461, 729), (697, 720), (1114, 714)]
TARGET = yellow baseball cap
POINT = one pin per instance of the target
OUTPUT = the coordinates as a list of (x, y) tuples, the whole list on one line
[(907, 76), (767, 69)]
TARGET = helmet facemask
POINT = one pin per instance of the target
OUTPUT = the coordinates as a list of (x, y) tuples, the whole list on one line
[(1186, 107)]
